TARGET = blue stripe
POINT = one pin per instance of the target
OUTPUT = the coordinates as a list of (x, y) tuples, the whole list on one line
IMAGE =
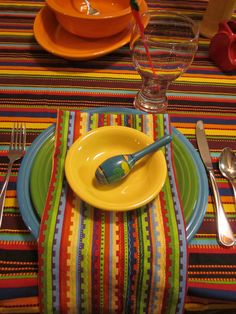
[(69, 89), (22, 292), (200, 95), (207, 120), (31, 114), (225, 295), (17, 237)]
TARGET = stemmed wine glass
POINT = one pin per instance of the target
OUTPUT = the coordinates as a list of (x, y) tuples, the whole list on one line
[(161, 53)]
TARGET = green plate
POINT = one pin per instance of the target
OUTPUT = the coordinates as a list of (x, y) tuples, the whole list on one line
[(35, 171), (41, 173), (184, 164)]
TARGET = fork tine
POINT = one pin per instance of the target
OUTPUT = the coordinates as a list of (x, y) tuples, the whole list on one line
[(15, 152), (12, 136), (20, 137), (16, 136), (24, 136)]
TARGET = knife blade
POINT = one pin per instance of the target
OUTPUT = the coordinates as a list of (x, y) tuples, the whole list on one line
[(203, 145), (225, 233)]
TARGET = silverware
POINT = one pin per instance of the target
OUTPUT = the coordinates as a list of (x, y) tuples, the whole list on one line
[(91, 10), (16, 151), (225, 233), (227, 166)]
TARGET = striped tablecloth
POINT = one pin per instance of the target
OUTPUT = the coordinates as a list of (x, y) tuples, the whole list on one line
[(34, 83)]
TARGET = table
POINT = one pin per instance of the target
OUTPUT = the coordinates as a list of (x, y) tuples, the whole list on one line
[(34, 83)]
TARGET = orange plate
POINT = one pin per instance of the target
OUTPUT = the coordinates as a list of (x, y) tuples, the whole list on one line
[(56, 40)]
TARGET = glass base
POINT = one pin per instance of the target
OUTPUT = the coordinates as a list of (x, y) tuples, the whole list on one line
[(149, 105)]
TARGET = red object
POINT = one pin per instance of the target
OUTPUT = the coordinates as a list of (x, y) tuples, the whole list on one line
[(222, 48)]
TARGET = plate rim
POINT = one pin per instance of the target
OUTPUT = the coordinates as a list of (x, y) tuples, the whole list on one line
[(30, 216)]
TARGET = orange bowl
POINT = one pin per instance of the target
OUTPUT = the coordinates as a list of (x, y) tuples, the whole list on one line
[(114, 16)]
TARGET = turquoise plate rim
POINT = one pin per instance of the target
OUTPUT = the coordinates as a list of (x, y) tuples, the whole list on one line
[(30, 216)]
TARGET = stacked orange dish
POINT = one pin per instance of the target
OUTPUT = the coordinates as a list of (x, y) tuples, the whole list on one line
[(66, 29)]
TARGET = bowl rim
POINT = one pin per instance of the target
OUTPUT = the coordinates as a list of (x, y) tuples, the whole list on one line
[(57, 9), (106, 204)]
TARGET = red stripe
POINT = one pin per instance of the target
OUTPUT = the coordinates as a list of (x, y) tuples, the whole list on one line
[(214, 286), (120, 264), (18, 283), (77, 122), (106, 262), (18, 245), (168, 248), (211, 249), (135, 269), (201, 99), (26, 92)]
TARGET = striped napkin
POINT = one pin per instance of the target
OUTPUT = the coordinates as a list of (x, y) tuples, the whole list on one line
[(94, 261)]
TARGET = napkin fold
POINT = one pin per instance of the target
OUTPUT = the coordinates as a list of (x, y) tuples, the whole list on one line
[(95, 261)]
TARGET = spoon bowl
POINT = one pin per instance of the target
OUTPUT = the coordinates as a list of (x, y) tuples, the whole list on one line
[(91, 10), (227, 166)]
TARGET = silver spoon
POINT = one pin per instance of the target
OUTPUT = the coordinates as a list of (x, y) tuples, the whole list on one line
[(227, 166), (91, 10)]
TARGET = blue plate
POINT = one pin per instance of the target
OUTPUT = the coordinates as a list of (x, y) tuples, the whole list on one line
[(194, 216)]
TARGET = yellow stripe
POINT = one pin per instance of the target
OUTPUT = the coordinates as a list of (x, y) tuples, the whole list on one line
[(187, 131), (11, 202), (21, 309), (29, 125), (162, 259), (29, 33), (229, 208), (201, 307), (211, 80), (91, 74), (100, 74), (17, 4)]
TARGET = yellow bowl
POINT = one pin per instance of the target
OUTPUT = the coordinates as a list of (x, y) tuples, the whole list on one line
[(114, 17), (138, 188)]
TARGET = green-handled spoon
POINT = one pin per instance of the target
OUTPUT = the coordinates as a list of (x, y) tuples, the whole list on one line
[(117, 167)]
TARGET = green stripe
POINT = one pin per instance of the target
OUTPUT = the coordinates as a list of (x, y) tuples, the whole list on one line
[(22, 276), (174, 256), (146, 260), (142, 254), (49, 233), (86, 260)]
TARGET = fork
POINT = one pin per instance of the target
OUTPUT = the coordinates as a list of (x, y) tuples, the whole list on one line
[(16, 151)]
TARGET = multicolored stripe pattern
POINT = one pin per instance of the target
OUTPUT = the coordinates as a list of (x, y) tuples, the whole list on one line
[(95, 261), (18, 248)]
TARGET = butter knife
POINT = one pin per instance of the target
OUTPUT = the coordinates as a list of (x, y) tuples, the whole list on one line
[(225, 233)]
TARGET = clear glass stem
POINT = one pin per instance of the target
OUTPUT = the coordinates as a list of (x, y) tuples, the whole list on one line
[(152, 96)]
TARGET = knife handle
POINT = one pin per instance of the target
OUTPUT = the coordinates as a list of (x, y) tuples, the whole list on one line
[(225, 233)]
